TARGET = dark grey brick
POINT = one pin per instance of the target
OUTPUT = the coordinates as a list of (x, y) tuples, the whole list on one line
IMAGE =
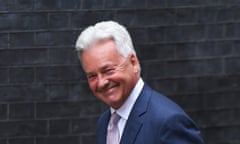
[(157, 34), (207, 15), (23, 21), (215, 31), (82, 19), (218, 2), (34, 56), (186, 50), (59, 38), (3, 41), (157, 51), (126, 4), (59, 140), (70, 4), (213, 67), (212, 118), (225, 14), (4, 76), (215, 49), (21, 141), (230, 101), (4, 5), (58, 73), (18, 75), (235, 119), (185, 33), (140, 36), (10, 57), (206, 49), (32, 21), (24, 5), (89, 139), (3, 141), (232, 30), (30, 92), (149, 69), (234, 9), (235, 48), (218, 83), (60, 127), (5, 22), (56, 20), (25, 39), (20, 57), (164, 86), (222, 134), (64, 38), (146, 17), (126, 17), (23, 128), (44, 39), (57, 92), (187, 85), (196, 102), (197, 67), (186, 15), (156, 3), (184, 3), (21, 111), (220, 100), (232, 65), (67, 109), (47, 5), (92, 4), (224, 48), (57, 4), (3, 111), (62, 55), (80, 91), (82, 125)]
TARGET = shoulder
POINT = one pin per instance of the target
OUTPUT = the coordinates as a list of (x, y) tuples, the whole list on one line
[(103, 117), (103, 121), (161, 103), (162, 108)]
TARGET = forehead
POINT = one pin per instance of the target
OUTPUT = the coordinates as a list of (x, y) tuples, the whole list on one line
[(100, 54)]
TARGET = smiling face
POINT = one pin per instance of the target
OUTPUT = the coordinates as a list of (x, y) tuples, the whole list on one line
[(111, 77)]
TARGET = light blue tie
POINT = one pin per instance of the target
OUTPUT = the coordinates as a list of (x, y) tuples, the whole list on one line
[(113, 132)]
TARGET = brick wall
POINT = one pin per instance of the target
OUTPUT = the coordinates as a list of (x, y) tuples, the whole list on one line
[(189, 51)]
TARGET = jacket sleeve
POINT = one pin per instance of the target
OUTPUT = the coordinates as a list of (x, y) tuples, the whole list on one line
[(180, 129)]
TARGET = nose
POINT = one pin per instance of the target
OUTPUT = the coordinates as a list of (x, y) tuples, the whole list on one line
[(102, 83)]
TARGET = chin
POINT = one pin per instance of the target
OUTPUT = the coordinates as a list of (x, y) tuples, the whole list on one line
[(114, 103)]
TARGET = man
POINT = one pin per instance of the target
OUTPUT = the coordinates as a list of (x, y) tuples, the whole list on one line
[(113, 71)]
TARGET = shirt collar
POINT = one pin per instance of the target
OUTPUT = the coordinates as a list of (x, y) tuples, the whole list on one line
[(126, 108)]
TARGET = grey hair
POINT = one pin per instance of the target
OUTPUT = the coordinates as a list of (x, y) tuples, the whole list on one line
[(104, 30)]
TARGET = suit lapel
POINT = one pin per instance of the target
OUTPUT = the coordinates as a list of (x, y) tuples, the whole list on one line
[(102, 131), (136, 117)]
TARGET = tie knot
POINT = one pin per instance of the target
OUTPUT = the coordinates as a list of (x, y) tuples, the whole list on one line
[(114, 118)]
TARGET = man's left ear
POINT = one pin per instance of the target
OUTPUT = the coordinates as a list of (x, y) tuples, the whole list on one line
[(134, 61)]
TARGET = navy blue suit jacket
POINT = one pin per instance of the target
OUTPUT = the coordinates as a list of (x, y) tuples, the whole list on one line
[(154, 119)]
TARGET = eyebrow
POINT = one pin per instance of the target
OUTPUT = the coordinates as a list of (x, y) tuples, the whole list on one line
[(107, 66), (101, 68)]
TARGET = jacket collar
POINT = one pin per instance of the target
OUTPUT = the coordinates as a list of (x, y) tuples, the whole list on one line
[(135, 120)]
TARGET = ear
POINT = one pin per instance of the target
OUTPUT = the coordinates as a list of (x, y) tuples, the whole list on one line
[(135, 62)]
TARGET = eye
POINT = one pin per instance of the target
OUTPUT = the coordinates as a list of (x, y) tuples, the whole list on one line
[(91, 77), (109, 71)]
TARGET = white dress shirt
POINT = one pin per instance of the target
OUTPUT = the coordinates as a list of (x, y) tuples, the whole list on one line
[(126, 108)]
